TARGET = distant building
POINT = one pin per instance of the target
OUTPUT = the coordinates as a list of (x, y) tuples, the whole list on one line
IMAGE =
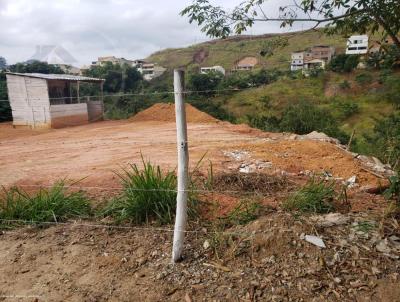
[(217, 68), (297, 62), (52, 100), (245, 64), (149, 70), (315, 57), (112, 59), (55, 55), (357, 45)]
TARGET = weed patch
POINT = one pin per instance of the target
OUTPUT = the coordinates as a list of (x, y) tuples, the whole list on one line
[(148, 195), (46, 205), (314, 197)]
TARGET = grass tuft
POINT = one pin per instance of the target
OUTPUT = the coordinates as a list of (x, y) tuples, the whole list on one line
[(46, 205), (314, 197), (149, 194)]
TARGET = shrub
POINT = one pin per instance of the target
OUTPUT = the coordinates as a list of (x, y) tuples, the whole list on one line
[(393, 192), (54, 204), (314, 197), (205, 82), (392, 89), (345, 109), (351, 63), (305, 117), (344, 85), (385, 140), (364, 78), (343, 63)]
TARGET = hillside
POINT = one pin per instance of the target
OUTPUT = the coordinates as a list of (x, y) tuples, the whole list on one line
[(227, 52)]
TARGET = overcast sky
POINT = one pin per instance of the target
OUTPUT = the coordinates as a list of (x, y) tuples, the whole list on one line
[(91, 28)]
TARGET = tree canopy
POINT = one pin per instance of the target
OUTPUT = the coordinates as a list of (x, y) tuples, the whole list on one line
[(36, 67), (338, 16), (118, 78)]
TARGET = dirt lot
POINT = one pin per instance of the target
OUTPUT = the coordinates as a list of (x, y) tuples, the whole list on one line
[(267, 260)]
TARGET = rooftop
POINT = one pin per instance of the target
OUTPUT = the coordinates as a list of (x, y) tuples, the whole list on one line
[(64, 77)]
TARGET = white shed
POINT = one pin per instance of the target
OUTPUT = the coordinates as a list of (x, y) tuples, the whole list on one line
[(47, 100)]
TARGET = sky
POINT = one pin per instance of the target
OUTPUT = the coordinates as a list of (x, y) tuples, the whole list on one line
[(87, 29)]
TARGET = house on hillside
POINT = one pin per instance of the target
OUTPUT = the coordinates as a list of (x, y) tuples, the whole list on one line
[(55, 55), (245, 64), (112, 59), (357, 45), (150, 70), (314, 57), (52, 100), (205, 70)]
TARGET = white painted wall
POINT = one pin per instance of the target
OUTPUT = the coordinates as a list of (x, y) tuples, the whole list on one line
[(357, 45), (29, 101)]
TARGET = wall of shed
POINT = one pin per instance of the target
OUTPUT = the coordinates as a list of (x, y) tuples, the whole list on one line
[(29, 101), (95, 110), (69, 115)]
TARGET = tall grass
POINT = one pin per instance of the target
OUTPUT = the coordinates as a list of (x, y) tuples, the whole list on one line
[(149, 194), (46, 205), (314, 197)]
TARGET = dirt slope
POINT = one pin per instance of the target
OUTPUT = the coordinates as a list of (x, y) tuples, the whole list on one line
[(166, 113)]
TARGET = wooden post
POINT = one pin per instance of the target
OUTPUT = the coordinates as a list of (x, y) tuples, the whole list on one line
[(183, 163)]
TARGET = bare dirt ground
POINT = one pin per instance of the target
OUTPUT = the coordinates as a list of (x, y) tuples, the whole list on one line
[(267, 260)]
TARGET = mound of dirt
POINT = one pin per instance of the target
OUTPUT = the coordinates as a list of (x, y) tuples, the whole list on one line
[(166, 113)]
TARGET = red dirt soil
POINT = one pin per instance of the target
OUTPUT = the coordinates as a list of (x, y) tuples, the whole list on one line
[(166, 113)]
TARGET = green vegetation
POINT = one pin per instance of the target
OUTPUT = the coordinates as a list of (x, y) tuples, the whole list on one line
[(393, 192), (54, 204), (245, 212), (343, 63), (316, 196), (385, 140), (118, 78), (148, 195)]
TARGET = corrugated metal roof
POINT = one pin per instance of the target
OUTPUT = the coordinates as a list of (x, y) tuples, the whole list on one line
[(65, 77)]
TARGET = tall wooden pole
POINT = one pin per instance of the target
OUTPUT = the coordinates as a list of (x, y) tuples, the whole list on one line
[(183, 163)]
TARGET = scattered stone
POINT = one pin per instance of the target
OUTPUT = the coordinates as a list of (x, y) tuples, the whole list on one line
[(330, 219), (206, 245), (315, 240)]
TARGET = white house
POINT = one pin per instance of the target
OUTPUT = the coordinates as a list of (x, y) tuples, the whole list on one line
[(357, 45), (217, 68), (297, 60)]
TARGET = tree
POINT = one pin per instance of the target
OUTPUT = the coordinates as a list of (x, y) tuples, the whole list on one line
[(3, 63), (339, 16), (36, 67), (5, 109), (118, 78), (205, 83), (343, 63)]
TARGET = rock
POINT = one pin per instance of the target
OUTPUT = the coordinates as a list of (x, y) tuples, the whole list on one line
[(330, 219), (319, 136), (351, 182), (315, 240), (206, 245), (382, 247)]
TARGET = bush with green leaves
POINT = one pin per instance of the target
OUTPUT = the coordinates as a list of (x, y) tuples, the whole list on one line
[(344, 108), (385, 140), (47, 205), (393, 192), (343, 63), (317, 196), (391, 88), (206, 83), (364, 78), (305, 117)]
